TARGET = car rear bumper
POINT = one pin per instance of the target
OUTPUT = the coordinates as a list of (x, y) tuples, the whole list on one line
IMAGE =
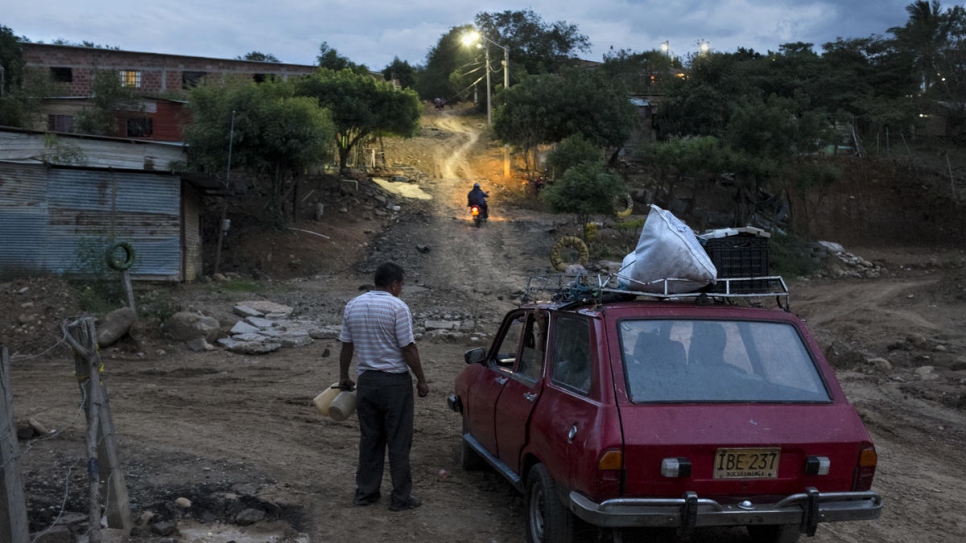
[(806, 510)]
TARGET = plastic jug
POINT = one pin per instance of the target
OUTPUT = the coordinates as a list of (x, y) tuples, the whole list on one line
[(343, 406), (324, 400)]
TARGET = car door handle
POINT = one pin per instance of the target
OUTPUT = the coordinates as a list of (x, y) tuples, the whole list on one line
[(572, 434), (501, 380), (529, 396)]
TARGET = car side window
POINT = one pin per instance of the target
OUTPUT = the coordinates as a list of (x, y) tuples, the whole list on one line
[(571, 358), (534, 345), (505, 355)]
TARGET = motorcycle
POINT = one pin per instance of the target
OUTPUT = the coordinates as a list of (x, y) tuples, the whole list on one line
[(476, 214)]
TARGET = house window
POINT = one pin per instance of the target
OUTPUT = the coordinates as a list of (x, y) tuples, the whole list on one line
[(62, 75), (190, 80), (140, 128), (60, 123), (131, 78)]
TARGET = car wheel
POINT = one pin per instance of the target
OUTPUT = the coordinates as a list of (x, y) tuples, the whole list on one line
[(787, 533), (547, 520), (470, 460)]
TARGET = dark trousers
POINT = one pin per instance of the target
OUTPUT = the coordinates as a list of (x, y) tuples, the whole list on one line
[(384, 403)]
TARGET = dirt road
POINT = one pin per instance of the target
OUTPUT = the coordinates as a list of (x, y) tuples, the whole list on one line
[(230, 431)]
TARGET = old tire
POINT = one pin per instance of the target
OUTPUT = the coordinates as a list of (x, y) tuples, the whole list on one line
[(558, 253), (547, 520), (787, 533), (120, 264), (624, 206), (470, 460)]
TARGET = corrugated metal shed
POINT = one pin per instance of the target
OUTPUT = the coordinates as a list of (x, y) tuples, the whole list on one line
[(62, 220), (23, 220)]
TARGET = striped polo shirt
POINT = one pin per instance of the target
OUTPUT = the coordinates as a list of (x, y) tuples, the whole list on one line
[(378, 325)]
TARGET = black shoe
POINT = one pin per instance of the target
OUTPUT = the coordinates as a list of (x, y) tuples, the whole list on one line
[(363, 501), (411, 502)]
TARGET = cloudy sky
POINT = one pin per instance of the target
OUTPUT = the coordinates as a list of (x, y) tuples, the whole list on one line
[(372, 32)]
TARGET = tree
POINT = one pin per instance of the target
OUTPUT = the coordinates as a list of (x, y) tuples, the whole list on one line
[(584, 190), (536, 46), (330, 59), (108, 95), (402, 71), (11, 65), (571, 152), (549, 108), (361, 107), (640, 73), (924, 35), (447, 57), (257, 56), (276, 136)]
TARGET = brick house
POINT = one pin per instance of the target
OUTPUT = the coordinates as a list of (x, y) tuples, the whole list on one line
[(160, 79)]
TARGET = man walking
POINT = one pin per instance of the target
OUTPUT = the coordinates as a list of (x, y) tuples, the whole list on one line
[(377, 329)]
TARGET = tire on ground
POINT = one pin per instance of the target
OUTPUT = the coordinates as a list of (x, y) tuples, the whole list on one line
[(624, 205), (557, 254)]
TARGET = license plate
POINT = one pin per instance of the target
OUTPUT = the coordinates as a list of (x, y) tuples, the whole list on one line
[(746, 464)]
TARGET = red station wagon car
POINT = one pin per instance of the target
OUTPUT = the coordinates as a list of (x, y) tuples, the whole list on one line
[(678, 413)]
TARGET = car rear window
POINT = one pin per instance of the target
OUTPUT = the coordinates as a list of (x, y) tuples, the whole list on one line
[(718, 361)]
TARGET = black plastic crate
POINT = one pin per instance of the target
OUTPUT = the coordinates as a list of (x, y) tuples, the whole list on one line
[(739, 256)]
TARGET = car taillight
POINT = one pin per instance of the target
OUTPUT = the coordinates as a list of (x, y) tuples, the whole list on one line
[(865, 470), (610, 472)]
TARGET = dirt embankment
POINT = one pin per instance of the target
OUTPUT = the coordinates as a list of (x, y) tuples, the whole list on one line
[(232, 432)]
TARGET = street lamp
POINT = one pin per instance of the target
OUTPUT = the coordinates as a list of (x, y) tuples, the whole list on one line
[(470, 38), (474, 37), (666, 47)]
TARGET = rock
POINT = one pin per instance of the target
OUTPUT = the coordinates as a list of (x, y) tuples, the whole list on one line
[(268, 307), (880, 364), (218, 277), (37, 426), (442, 325), (831, 247), (926, 373), (423, 248), (187, 325), (183, 503), (245, 311), (199, 344), (260, 322), (164, 528), (114, 325), (242, 327), (294, 340), (25, 431), (249, 516), (249, 347), (326, 332)]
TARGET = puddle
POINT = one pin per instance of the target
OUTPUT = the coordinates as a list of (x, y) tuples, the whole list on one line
[(273, 532), (406, 190)]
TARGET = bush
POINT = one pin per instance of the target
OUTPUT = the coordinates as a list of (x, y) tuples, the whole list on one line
[(790, 256)]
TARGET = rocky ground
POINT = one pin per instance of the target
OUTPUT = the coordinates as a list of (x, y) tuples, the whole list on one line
[(222, 446)]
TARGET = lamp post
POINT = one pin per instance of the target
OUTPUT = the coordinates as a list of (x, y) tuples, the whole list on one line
[(475, 37), (666, 47)]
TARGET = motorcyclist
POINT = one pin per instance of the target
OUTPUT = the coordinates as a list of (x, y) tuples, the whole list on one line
[(477, 197)]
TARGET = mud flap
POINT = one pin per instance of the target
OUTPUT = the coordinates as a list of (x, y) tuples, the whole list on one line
[(689, 516)]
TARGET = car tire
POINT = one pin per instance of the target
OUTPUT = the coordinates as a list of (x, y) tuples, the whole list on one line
[(470, 460), (547, 520), (787, 533)]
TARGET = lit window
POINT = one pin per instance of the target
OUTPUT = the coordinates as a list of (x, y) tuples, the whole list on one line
[(131, 78)]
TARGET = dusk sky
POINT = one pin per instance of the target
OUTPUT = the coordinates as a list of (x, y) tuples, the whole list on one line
[(372, 32)]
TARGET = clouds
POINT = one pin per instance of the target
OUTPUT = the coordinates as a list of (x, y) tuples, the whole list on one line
[(374, 31)]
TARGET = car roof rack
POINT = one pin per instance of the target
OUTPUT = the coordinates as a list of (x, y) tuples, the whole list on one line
[(584, 289)]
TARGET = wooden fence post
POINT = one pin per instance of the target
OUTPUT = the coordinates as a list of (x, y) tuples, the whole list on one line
[(104, 471), (13, 507)]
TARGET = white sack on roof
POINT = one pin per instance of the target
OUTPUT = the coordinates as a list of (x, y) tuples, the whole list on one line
[(667, 249)]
